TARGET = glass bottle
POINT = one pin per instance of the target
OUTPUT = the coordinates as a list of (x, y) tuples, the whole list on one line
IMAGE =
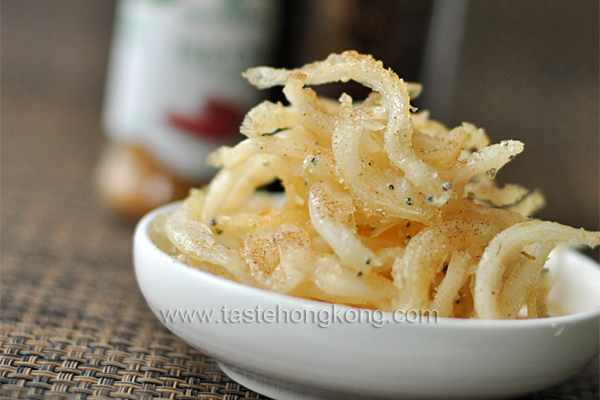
[(175, 93)]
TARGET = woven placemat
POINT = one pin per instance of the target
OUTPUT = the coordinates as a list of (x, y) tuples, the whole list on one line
[(74, 324)]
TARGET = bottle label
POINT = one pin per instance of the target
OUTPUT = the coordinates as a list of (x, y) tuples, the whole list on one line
[(174, 83)]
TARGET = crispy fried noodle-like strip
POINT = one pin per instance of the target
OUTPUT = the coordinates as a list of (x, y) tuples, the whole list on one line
[(383, 207)]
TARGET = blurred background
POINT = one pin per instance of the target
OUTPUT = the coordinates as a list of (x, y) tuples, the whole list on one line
[(522, 70)]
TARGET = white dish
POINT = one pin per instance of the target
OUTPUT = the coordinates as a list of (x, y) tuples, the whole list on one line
[(449, 358)]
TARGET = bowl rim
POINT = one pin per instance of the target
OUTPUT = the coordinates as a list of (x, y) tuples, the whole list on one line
[(141, 234)]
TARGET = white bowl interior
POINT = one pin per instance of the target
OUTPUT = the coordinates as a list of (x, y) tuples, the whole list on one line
[(576, 282)]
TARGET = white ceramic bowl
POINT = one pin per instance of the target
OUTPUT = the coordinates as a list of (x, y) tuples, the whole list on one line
[(449, 358)]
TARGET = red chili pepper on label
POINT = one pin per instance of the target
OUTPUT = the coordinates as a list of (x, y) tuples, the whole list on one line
[(216, 120)]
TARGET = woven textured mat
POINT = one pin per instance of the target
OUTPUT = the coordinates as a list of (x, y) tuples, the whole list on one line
[(74, 324)]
